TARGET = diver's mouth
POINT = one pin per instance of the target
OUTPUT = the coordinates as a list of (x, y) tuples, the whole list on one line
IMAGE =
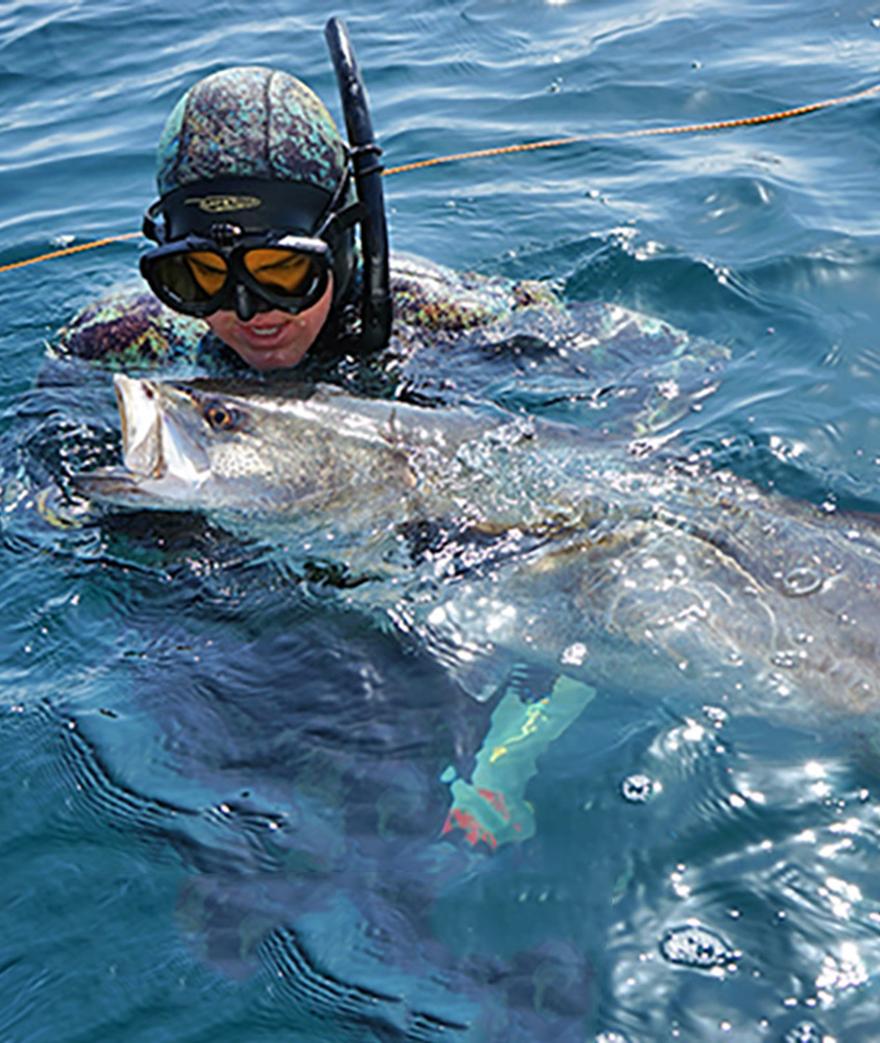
[(265, 338)]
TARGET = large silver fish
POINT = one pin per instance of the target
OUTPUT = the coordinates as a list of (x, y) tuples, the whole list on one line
[(495, 538)]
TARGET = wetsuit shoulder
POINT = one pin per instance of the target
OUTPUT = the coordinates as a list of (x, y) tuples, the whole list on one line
[(130, 328), (434, 297)]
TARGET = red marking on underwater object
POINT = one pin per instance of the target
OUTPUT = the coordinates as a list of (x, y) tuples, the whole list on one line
[(473, 831), (496, 799)]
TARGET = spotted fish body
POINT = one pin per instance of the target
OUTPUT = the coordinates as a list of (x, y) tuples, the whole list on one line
[(713, 587), (495, 538)]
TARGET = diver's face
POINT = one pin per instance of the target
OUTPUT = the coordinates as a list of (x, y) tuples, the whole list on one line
[(273, 339)]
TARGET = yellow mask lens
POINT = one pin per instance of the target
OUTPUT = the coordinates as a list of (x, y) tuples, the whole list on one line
[(208, 269), (277, 269)]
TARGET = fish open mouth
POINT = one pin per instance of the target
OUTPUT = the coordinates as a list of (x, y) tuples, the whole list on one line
[(162, 461), (141, 423)]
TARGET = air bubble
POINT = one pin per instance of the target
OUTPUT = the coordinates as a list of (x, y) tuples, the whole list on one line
[(638, 789), (696, 946), (786, 658), (804, 1032), (802, 580)]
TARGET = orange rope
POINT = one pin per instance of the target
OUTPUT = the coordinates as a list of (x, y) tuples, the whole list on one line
[(506, 150), (689, 128), (69, 250)]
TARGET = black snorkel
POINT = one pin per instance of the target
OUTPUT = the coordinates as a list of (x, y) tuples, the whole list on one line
[(376, 306)]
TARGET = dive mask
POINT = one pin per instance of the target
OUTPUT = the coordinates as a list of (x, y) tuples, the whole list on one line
[(199, 276), (244, 246)]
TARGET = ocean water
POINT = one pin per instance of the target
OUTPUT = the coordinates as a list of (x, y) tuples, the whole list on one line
[(222, 794)]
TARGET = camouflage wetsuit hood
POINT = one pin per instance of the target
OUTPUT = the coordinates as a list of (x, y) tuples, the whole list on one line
[(262, 125)]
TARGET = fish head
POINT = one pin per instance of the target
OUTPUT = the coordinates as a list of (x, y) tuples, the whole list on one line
[(201, 445)]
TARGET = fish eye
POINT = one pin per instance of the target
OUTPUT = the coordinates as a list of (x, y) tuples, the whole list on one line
[(221, 417)]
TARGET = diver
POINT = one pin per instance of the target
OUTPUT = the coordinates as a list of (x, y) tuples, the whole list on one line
[(271, 254), (256, 263)]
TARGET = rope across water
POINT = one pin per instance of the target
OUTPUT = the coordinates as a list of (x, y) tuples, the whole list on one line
[(531, 146), (647, 132)]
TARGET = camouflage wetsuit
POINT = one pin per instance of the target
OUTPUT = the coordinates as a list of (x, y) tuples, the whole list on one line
[(131, 329), (456, 337)]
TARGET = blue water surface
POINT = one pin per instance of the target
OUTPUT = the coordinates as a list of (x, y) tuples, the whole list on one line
[(222, 793)]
